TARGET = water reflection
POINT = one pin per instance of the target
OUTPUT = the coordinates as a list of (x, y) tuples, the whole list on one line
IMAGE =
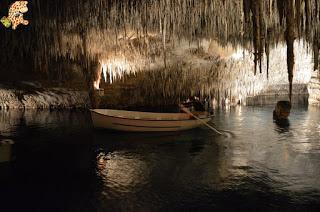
[(285, 156), (282, 125), (8, 122), (6, 150), (270, 163), (121, 172)]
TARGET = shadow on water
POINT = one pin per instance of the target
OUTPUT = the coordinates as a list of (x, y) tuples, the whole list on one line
[(282, 126), (120, 140), (146, 170)]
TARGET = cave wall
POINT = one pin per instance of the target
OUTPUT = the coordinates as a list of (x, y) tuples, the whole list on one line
[(38, 98), (314, 89), (207, 69), (132, 36), (97, 29), (279, 92)]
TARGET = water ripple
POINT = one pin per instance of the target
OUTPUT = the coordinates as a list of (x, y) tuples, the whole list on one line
[(275, 166)]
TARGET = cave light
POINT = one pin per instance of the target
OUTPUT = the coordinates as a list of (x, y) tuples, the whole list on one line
[(116, 68)]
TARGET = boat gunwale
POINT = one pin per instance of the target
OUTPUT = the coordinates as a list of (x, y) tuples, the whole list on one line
[(142, 119)]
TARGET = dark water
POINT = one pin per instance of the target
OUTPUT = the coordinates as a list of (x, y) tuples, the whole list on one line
[(61, 164)]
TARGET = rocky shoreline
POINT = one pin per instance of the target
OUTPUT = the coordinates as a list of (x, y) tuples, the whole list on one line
[(33, 96), (272, 94), (314, 90), (53, 98)]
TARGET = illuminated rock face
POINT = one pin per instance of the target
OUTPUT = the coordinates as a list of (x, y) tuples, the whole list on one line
[(53, 99), (314, 89), (272, 94), (204, 68), (208, 69), (121, 34)]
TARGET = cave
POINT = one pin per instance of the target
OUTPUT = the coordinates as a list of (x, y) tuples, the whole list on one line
[(224, 68)]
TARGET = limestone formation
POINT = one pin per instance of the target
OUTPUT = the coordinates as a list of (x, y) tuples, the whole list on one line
[(86, 32), (47, 99)]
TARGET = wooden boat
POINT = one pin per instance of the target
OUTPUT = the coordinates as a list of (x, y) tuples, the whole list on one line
[(134, 121)]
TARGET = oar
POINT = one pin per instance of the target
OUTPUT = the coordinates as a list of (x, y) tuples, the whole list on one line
[(184, 109)]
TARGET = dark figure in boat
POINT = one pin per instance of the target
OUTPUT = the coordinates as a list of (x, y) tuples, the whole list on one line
[(282, 110), (194, 104)]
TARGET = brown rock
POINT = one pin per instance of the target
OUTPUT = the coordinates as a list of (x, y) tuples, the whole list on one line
[(282, 110)]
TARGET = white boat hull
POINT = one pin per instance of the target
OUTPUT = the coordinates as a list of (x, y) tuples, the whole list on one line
[(144, 122)]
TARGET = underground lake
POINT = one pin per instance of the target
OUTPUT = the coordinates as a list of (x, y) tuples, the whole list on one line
[(62, 164), (159, 105)]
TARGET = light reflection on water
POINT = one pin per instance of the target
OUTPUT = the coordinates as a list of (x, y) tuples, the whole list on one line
[(121, 172), (275, 166)]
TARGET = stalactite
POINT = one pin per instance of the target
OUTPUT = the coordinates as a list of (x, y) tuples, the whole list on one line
[(298, 14), (262, 29), (114, 28), (316, 55), (308, 17), (255, 8), (281, 9), (164, 33), (290, 37), (267, 49)]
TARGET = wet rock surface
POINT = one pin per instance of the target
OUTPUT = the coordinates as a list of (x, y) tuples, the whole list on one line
[(314, 90), (40, 98), (275, 93), (282, 110)]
